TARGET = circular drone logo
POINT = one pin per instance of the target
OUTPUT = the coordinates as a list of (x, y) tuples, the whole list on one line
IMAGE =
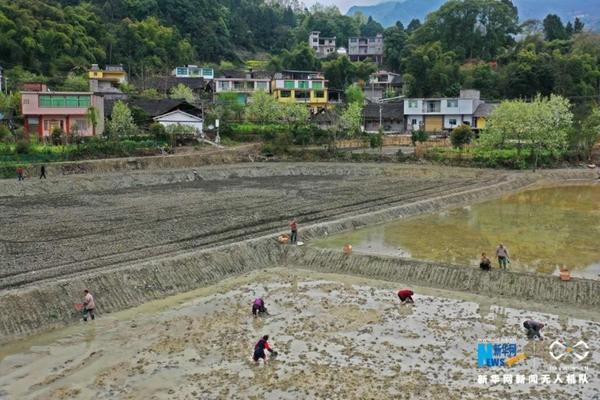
[(559, 350)]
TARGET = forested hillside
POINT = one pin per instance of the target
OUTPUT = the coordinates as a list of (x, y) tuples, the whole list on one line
[(465, 44)]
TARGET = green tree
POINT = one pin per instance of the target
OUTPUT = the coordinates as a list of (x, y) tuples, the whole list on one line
[(151, 94), (302, 57), (75, 83), (461, 136), (263, 109), (578, 26), (393, 46), (294, 114), (351, 119), (413, 25), (354, 94), (589, 134), (182, 92), (470, 28), (121, 122), (554, 28), (542, 124), (92, 118), (433, 71)]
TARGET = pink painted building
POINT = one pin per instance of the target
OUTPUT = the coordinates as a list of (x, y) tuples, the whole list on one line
[(43, 111)]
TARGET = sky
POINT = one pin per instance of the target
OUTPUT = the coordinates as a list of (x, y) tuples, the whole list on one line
[(343, 5)]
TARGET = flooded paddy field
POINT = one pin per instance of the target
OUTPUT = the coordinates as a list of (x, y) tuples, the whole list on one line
[(338, 337), (544, 229)]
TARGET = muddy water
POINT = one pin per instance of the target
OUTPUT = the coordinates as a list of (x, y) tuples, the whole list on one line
[(338, 337), (543, 229)]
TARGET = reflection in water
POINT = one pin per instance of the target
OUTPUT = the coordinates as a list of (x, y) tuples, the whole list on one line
[(542, 228)]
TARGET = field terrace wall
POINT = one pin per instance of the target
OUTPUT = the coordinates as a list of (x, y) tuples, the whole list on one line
[(51, 304), (496, 283)]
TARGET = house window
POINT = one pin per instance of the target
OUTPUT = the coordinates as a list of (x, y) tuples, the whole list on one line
[(72, 101), (181, 71), (452, 121), (207, 72), (303, 84), (317, 85), (288, 84), (85, 101), (79, 125), (412, 104), (414, 121), (452, 103), (262, 86), (320, 94), (353, 40), (285, 93), (315, 40), (301, 95)]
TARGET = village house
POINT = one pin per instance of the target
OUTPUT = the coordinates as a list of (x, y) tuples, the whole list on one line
[(383, 84), (301, 87), (444, 114), (165, 112), (107, 81), (244, 85), (388, 116), (323, 46), (365, 48), (194, 71), (45, 111)]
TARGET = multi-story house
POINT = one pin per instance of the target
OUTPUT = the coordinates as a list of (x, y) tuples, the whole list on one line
[(244, 87), (383, 84), (44, 111), (301, 87), (364, 48), (107, 80), (323, 46), (445, 114), (194, 71)]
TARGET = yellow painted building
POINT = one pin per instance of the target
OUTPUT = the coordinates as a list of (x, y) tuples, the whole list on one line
[(301, 87), (112, 73)]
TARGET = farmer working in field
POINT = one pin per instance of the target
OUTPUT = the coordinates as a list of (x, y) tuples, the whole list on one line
[(405, 296), (502, 254), (294, 229), (259, 350), (258, 307), (533, 329), (88, 305)]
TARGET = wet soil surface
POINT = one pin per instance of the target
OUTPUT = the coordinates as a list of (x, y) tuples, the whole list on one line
[(70, 225), (338, 337)]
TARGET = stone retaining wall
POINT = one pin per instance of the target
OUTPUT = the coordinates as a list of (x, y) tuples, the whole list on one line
[(50, 305), (496, 283)]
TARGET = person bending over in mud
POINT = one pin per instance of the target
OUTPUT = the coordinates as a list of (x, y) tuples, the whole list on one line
[(485, 263), (405, 296), (88, 305), (533, 329), (258, 307), (259, 350)]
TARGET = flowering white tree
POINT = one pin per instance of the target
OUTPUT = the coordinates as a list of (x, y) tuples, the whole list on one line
[(542, 124)]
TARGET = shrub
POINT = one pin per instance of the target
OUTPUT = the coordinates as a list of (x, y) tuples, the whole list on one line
[(461, 135), (158, 132), (57, 136), (5, 134), (22, 147), (418, 136)]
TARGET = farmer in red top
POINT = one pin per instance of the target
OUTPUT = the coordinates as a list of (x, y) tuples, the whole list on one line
[(405, 296), (259, 350), (294, 228)]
